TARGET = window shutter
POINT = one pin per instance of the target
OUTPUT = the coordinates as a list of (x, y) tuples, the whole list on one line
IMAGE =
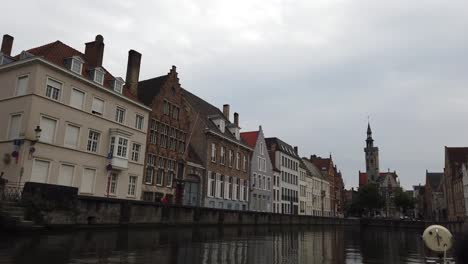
[(40, 171), (22, 85), (98, 105), (77, 99), (66, 175), (48, 129), (71, 136), (15, 124), (87, 181)]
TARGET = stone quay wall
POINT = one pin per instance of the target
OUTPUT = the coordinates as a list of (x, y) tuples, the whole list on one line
[(52, 205)]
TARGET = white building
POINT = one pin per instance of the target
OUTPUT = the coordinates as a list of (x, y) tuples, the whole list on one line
[(286, 160), (68, 121), (317, 191)]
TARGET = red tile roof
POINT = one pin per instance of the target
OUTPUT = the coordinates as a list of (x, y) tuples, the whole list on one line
[(363, 179), (250, 138), (57, 52), (321, 163)]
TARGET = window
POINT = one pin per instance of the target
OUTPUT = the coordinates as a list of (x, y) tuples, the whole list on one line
[(153, 131), (244, 166), (40, 171), (15, 126), (53, 89), (211, 185), (77, 98), (122, 147), (213, 152), (175, 112), (118, 85), (139, 121), (87, 180), (160, 177), (150, 163), (98, 76), (72, 134), (254, 182), (221, 185), (66, 175), (93, 141), (230, 188), (120, 115), (231, 158), (76, 64), (166, 107), (113, 183), (98, 106), (48, 126), (132, 180), (261, 148), (22, 85), (238, 188), (136, 151), (222, 158), (242, 198), (238, 160)]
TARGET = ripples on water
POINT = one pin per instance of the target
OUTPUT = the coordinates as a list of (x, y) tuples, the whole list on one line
[(257, 245)]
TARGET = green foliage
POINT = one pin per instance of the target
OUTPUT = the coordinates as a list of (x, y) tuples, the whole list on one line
[(403, 200), (367, 199)]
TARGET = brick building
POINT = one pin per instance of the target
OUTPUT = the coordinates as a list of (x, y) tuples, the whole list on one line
[(166, 141), (328, 170), (223, 154), (434, 196), (455, 160)]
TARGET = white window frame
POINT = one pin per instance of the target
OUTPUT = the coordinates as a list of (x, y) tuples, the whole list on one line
[(222, 156), (136, 153), (97, 71), (237, 160), (113, 183), (9, 136), (73, 172), (120, 114), (76, 60), (213, 152), (121, 146), (118, 86), (139, 121), (48, 169), (132, 186), (60, 89), (97, 141), (17, 84)]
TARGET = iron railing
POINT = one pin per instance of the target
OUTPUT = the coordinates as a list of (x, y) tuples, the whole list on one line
[(11, 192)]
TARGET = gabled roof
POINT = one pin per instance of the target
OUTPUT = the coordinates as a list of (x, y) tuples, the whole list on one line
[(434, 179), (313, 169), (150, 88), (57, 52), (207, 111), (192, 156), (281, 146), (250, 138), (322, 163), (363, 179)]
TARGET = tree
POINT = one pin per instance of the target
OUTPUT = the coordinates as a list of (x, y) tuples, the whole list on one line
[(369, 198), (403, 200)]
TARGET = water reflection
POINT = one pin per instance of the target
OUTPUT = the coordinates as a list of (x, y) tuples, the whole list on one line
[(278, 245)]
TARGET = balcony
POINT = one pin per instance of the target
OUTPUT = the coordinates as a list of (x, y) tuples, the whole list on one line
[(119, 148)]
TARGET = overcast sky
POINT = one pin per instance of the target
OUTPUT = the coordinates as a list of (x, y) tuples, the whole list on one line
[(309, 72)]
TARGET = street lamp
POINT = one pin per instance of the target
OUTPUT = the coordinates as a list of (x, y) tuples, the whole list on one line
[(38, 131)]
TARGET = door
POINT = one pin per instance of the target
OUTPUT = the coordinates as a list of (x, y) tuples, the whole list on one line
[(191, 191), (40, 171)]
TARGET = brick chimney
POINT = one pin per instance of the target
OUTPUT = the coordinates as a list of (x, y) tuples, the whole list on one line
[(236, 119), (295, 150), (226, 111), (94, 51), (7, 44), (133, 71)]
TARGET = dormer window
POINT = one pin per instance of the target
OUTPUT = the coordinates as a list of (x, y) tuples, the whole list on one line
[(97, 74), (117, 85), (221, 125), (76, 64)]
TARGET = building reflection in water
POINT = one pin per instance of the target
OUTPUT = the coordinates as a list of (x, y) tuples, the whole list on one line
[(234, 245)]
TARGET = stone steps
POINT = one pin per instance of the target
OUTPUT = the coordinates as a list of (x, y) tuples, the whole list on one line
[(12, 215)]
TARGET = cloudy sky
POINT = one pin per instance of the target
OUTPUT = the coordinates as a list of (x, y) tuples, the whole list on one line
[(309, 72)]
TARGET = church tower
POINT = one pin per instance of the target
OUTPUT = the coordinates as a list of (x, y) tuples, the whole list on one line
[(372, 157)]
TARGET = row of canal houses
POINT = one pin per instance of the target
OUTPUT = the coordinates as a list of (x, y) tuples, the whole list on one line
[(68, 121)]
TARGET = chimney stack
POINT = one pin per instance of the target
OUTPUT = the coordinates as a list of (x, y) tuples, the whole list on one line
[(236, 119), (94, 51), (226, 111), (133, 71), (295, 150), (7, 44)]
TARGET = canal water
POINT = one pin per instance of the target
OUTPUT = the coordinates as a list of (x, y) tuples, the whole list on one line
[(233, 245)]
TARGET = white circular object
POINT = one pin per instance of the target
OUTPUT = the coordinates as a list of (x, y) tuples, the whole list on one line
[(437, 238)]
